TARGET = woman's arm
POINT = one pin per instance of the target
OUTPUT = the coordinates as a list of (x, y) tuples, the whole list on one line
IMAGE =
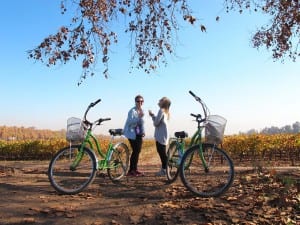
[(158, 118), (133, 117)]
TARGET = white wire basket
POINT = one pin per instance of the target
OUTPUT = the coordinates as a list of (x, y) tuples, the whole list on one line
[(75, 130), (214, 129)]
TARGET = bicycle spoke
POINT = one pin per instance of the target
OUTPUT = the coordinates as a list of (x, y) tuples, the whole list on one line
[(68, 178), (213, 180), (173, 162), (119, 162)]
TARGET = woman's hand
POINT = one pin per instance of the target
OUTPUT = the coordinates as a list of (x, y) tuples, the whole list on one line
[(141, 113), (151, 113)]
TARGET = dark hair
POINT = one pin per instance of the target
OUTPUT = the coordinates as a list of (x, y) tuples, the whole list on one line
[(138, 97)]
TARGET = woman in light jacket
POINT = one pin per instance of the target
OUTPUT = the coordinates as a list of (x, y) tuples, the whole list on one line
[(134, 131), (161, 133)]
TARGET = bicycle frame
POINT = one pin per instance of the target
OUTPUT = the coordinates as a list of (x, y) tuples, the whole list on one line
[(92, 141), (180, 141), (197, 137), (197, 140)]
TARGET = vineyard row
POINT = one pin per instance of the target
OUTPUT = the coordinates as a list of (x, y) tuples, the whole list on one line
[(242, 148)]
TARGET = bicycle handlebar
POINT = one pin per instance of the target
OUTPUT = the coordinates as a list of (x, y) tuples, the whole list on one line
[(95, 103), (192, 93), (192, 114), (204, 107), (198, 118), (195, 96), (97, 122), (102, 120)]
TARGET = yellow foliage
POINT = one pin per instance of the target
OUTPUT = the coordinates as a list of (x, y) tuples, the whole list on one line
[(237, 146)]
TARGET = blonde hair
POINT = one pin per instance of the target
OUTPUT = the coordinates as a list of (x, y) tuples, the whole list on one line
[(165, 105)]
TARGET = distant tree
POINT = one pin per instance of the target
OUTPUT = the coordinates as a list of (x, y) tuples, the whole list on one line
[(296, 127), (252, 131), (271, 130), (265, 131), (287, 129), (152, 27)]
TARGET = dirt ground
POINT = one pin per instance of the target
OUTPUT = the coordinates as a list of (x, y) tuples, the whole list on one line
[(26, 197)]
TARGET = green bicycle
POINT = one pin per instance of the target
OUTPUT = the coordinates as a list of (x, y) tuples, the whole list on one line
[(74, 167), (205, 169)]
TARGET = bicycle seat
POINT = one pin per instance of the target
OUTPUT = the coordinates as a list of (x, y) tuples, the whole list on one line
[(181, 134), (116, 132)]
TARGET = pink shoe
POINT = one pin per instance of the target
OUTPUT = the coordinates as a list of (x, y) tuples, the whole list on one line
[(139, 173), (131, 174)]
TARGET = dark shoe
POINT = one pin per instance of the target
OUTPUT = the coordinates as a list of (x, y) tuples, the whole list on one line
[(161, 173)]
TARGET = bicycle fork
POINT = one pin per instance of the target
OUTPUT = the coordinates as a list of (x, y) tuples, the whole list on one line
[(77, 159), (79, 155), (206, 163)]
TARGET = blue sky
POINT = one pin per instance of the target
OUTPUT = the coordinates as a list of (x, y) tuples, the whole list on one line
[(240, 83)]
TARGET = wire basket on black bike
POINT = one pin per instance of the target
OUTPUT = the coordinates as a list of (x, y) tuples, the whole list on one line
[(214, 129), (76, 130)]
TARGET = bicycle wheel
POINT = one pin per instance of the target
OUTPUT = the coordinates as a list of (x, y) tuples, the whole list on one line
[(212, 181), (68, 180), (173, 162), (119, 162)]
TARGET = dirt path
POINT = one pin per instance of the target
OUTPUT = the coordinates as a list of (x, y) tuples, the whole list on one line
[(27, 198)]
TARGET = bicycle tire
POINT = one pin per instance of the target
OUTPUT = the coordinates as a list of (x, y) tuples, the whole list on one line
[(211, 182), (119, 162), (72, 181), (173, 162)]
